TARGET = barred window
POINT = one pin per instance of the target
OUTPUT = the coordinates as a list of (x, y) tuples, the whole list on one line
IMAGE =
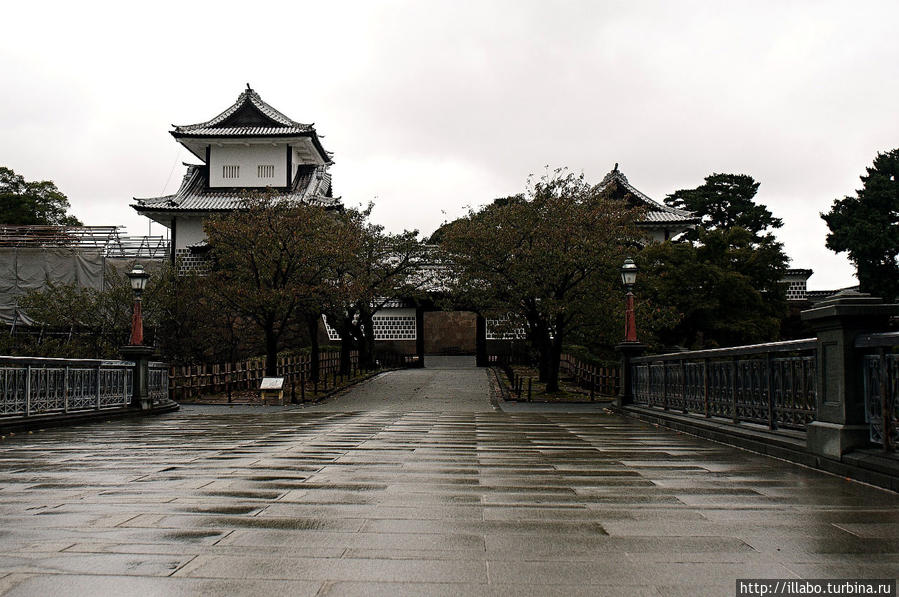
[(230, 171), (265, 171)]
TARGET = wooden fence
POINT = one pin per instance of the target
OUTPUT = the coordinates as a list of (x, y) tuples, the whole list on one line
[(599, 380), (602, 381), (189, 381)]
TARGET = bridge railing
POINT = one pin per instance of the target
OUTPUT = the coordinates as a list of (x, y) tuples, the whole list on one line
[(158, 382), (881, 386), (770, 384), (36, 386)]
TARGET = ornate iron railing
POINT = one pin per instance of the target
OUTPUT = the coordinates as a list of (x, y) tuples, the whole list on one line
[(880, 370), (33, 386), (158, 382), (770, 384)]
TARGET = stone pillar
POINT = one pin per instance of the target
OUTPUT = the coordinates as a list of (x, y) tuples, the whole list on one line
[(840, 425), (628, 351), (420, 335), (481, 342), (140, 397)]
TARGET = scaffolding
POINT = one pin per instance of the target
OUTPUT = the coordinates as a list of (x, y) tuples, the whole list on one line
[(105, 238)]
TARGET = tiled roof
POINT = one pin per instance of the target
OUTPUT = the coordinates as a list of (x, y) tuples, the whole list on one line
[(817, 296), (275, 118), (249, 116), (798, 272), (248, 131), (657, 213), (311, 185)]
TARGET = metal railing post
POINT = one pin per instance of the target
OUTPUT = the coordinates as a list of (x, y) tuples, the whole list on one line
[(98, 388), (733, 384), (769, 372), (705, 387), (28, 391), (885, 382), (65, 391), (664, 386)]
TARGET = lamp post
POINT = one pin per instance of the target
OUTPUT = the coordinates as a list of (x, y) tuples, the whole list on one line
[(630, 348), (629, 278), (138, 278), (136, 351)]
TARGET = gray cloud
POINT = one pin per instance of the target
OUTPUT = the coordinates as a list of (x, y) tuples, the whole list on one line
[(432, 106)]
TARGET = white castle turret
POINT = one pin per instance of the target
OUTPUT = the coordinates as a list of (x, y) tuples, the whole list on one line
[(249, 146)]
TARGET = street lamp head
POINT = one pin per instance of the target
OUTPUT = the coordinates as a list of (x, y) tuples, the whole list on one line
[(629, 272), (138, 278)]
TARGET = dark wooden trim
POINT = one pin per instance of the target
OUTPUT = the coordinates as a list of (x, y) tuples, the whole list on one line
[(481, 341), (289, 164), (173, 245), (208, 164), (419, 335)]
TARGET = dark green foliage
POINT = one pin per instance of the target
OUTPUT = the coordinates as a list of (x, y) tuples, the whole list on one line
[(80, 322), (271, 264), (726, 201), (38, 203), (726, 290), (867, 227), (725, 279), (375, 267), (548, 261)]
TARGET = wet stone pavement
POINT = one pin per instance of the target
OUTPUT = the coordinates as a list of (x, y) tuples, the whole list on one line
[(366, 495)]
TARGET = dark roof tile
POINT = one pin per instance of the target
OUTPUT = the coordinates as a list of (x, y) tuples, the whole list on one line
[(311, 186)]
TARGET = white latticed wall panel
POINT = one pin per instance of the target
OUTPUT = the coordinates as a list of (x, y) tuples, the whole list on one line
[(389, 324)]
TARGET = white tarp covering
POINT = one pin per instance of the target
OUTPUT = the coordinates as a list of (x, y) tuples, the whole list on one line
[(25, 269)]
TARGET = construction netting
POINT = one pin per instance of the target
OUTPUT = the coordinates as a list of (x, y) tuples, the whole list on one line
[(24, 269)]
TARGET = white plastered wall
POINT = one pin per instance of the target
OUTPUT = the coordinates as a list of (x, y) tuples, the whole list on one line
[(248, 158), (188, 231)]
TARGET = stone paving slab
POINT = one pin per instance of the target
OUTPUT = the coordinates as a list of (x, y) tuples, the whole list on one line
[(414, 484)]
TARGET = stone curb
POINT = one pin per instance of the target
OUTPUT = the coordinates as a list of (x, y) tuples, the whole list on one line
[(90, 416), (866, 466)]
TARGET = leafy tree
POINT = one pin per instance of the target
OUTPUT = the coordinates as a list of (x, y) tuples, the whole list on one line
[(272, 260), (715, 285), (725, 279), (377, 268), (193, 324), (24, 203), (547, 258), (867, 227), (96, 322), (726, 201)]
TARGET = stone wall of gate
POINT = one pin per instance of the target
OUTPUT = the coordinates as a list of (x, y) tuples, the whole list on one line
[(450, 332)]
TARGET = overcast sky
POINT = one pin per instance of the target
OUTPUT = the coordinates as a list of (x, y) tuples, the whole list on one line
[(433, 106)]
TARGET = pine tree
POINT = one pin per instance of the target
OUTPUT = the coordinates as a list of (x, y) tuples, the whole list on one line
[(867, 227)]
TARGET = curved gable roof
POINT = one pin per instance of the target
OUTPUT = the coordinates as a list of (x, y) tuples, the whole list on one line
[(250, 116), (656, 213), (248, 110)]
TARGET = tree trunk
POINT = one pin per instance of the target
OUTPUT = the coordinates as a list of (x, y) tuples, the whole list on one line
[(543, 369), (346, 347), (271, 350), (555, 357), (314, 364), (367, 346)]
